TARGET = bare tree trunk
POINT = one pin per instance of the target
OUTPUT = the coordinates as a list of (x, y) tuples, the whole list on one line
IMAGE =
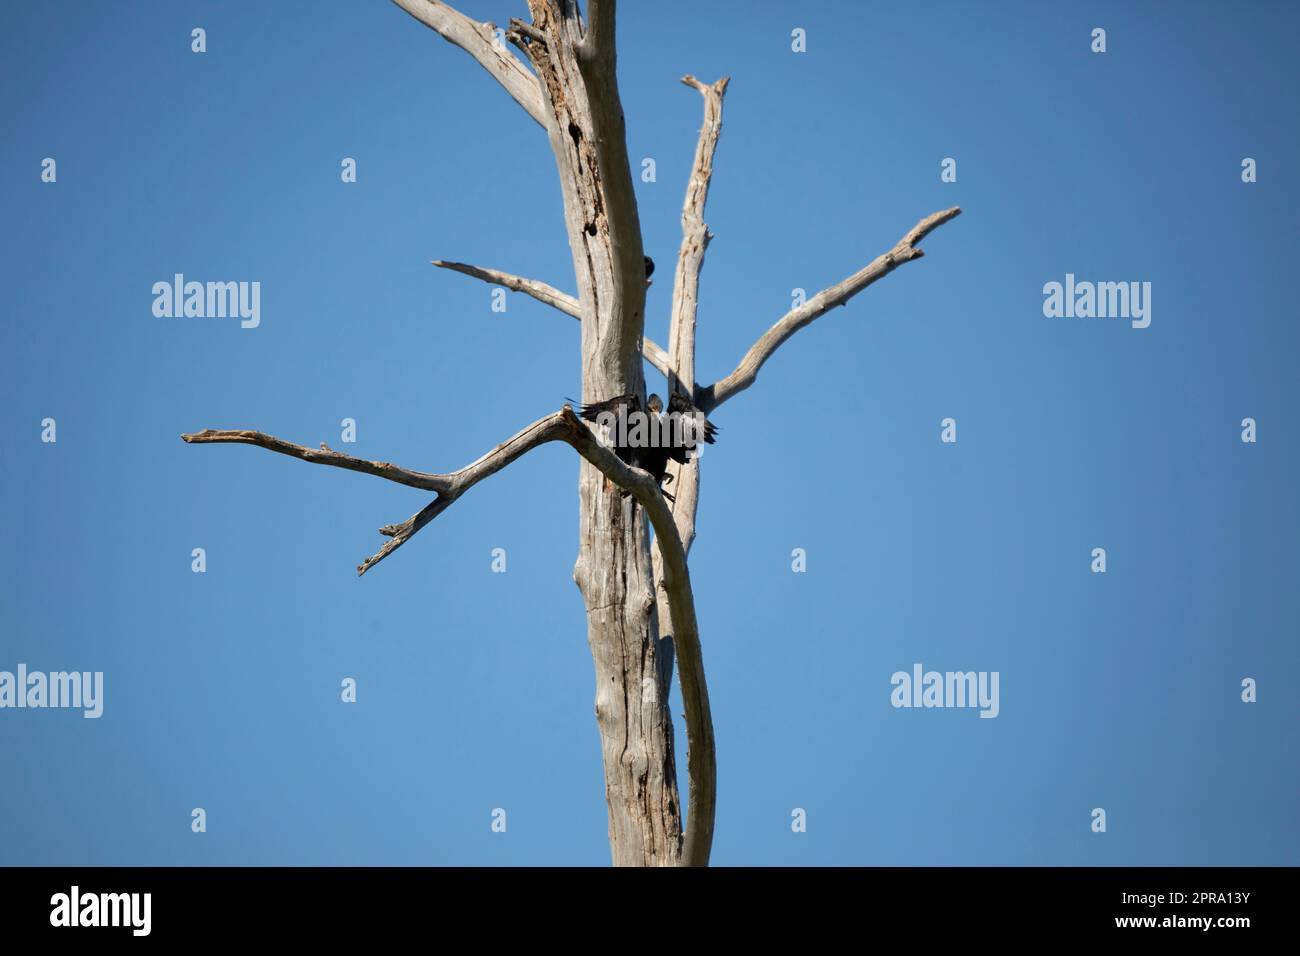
[(613, 571), (576, 67)]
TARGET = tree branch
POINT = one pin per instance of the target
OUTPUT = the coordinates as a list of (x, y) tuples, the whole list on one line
[(656, 356), (324, 456), (686, 483), (598, 40), (537, 289), (551, 296), (521, 34), (449, 486), (478, 40), (567, 427), (695, 240), (685, 303), (401, 533), (747, 371)]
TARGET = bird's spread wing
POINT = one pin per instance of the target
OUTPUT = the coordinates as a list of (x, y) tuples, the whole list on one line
[(680, 405), (619, 404)]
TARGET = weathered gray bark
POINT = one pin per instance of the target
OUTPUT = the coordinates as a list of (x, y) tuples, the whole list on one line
[(686, 478), (576, 67), (572, 92)]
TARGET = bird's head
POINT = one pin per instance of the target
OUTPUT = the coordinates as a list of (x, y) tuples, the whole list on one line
[(654, 403)]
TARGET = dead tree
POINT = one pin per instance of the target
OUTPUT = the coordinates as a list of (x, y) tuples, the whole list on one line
[(566, 81)]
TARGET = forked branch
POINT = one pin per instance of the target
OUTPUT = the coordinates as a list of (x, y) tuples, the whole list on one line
[(564, 426), (449, 486), (839, 294)]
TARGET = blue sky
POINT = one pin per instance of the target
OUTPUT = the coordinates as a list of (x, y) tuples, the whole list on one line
[(1119, 691)]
